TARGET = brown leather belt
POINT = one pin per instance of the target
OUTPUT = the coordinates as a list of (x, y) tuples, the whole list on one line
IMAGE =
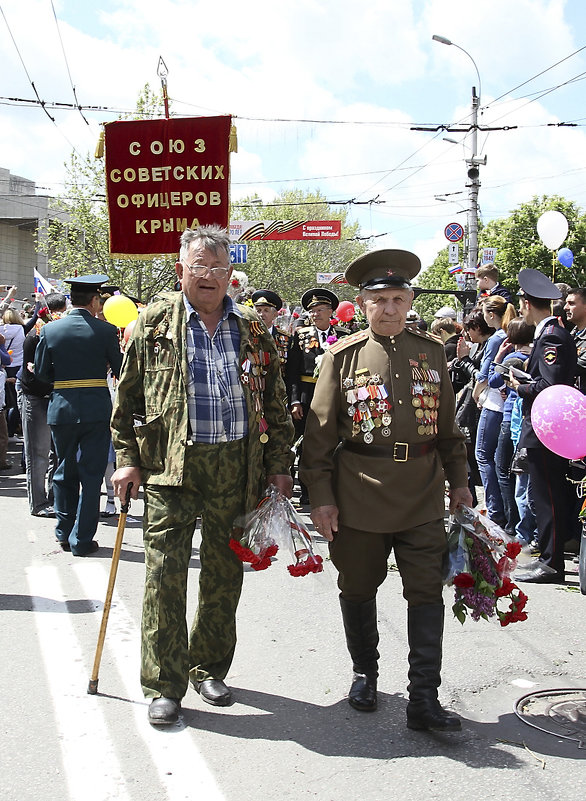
[(399, 452)]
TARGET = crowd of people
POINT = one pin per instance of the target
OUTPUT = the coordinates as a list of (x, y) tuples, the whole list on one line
[(222, 390), (526, 487)]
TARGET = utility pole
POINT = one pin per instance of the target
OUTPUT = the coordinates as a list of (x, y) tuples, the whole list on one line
[(474, 185), (472, 165)]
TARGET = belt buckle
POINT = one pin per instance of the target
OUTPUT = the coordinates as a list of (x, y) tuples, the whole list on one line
[(396, 457)]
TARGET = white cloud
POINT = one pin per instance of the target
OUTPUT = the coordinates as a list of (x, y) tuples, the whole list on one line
[(316, 59)]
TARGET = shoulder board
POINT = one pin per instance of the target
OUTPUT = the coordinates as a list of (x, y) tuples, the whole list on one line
[(303, 328), (425, 335), (346, 342), (283, 333)]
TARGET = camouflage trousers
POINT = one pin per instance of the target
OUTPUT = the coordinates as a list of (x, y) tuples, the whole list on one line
[(214, 489)]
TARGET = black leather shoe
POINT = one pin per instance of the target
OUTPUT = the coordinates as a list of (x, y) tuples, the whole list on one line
[(214, 692), (429, 715), (92, 548), (362, 695), (164, 711), (538, 575)]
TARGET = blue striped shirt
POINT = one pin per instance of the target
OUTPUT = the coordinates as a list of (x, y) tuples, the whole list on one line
[(215, 396)]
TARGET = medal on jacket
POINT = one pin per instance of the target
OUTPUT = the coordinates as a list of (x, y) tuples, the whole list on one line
[(253, 376), (425, 392), (368, 405)]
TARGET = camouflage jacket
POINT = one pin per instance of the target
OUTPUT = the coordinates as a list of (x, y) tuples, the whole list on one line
[(150, 421)]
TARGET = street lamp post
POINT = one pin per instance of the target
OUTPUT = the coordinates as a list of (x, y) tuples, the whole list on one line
[(472, 165)]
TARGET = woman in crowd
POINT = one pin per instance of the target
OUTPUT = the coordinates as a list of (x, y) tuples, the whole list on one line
[(497, 314), (515, 349), (464, 373)]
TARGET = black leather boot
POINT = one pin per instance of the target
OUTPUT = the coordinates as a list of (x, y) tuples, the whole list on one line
[(362, 640), (425, 626)]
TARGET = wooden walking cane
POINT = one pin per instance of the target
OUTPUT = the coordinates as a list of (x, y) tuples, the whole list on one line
[(93, 683)]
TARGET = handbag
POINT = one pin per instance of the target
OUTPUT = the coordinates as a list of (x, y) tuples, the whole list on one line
[(467, 411), (519, 462)]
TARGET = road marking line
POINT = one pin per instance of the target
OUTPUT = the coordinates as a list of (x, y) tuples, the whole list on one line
[(181, 767), (92, 768)]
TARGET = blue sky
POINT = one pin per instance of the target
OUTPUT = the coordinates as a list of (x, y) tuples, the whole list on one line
[(372, 68)]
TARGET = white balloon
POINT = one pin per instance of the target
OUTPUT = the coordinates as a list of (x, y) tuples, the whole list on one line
[(552, 228)]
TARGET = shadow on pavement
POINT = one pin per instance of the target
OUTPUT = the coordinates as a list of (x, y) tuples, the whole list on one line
[(337, 730)]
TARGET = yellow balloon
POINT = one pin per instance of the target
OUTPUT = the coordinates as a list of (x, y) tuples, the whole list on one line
[(120, 310)]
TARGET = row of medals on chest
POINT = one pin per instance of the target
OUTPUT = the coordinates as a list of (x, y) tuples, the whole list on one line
[(425, 392), (253, 374), (369, 407)]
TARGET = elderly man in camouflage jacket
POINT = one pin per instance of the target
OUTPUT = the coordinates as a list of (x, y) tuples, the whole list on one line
[(201, 420)]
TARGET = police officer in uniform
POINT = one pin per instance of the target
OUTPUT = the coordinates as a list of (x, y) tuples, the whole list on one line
[(308, 346), (552, 361), (267, 304), (385, 395), (575, 307), (74, 354)]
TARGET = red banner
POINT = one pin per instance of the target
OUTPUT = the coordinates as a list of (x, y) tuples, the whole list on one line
[(163, 176), (279, 230)]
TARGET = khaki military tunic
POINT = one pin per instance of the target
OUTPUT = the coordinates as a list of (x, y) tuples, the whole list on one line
[(383, 394)]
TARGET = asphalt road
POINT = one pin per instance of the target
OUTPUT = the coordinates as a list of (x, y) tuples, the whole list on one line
[(290, 733)]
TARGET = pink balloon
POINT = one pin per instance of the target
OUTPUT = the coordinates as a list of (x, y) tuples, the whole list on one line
[(558, 416), (345, 311), (129, 329)]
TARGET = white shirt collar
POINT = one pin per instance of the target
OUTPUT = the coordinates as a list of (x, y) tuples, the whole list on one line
[(540, 326)]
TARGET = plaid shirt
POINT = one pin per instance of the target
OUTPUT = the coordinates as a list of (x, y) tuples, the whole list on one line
[(215, 397)]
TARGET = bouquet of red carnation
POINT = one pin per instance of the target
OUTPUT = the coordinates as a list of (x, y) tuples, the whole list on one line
[(299, 541), (481, 560), (253, 539), (275, 523)]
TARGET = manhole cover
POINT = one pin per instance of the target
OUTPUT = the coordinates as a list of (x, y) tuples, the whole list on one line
[(561, 713)]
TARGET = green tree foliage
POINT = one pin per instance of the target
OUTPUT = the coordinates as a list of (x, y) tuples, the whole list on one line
[(290, 267), (519, 246), (77, 238)]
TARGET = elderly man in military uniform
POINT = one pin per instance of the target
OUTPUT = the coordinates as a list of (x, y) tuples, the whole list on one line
[(380, 444), (309, 344), (267, 304), (200, 418), (74, 354), (552, 361)]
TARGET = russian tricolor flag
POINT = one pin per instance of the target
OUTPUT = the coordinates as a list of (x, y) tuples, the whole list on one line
[(42, 285)]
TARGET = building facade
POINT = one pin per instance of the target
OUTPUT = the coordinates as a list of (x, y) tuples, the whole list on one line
[(24, 216)]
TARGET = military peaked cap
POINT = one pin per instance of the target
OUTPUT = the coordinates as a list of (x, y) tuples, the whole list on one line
[(266, 297), (383, 269), (319, 295), (87, 283)]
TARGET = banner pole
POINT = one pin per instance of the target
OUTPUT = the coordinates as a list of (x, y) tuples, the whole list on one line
[(162, 72)]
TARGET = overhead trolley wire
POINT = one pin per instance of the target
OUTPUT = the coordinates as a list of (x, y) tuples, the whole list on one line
[(67, 65)]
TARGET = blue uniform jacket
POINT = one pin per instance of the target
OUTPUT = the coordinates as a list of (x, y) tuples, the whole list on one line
[(75, 348), (552, 361)]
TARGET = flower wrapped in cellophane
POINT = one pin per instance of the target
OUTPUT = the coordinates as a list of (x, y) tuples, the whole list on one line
[(299, 541), (275, 524), (481, 559), (253, 539)]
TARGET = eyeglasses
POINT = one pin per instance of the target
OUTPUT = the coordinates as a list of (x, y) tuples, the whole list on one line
[(201, 269)]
